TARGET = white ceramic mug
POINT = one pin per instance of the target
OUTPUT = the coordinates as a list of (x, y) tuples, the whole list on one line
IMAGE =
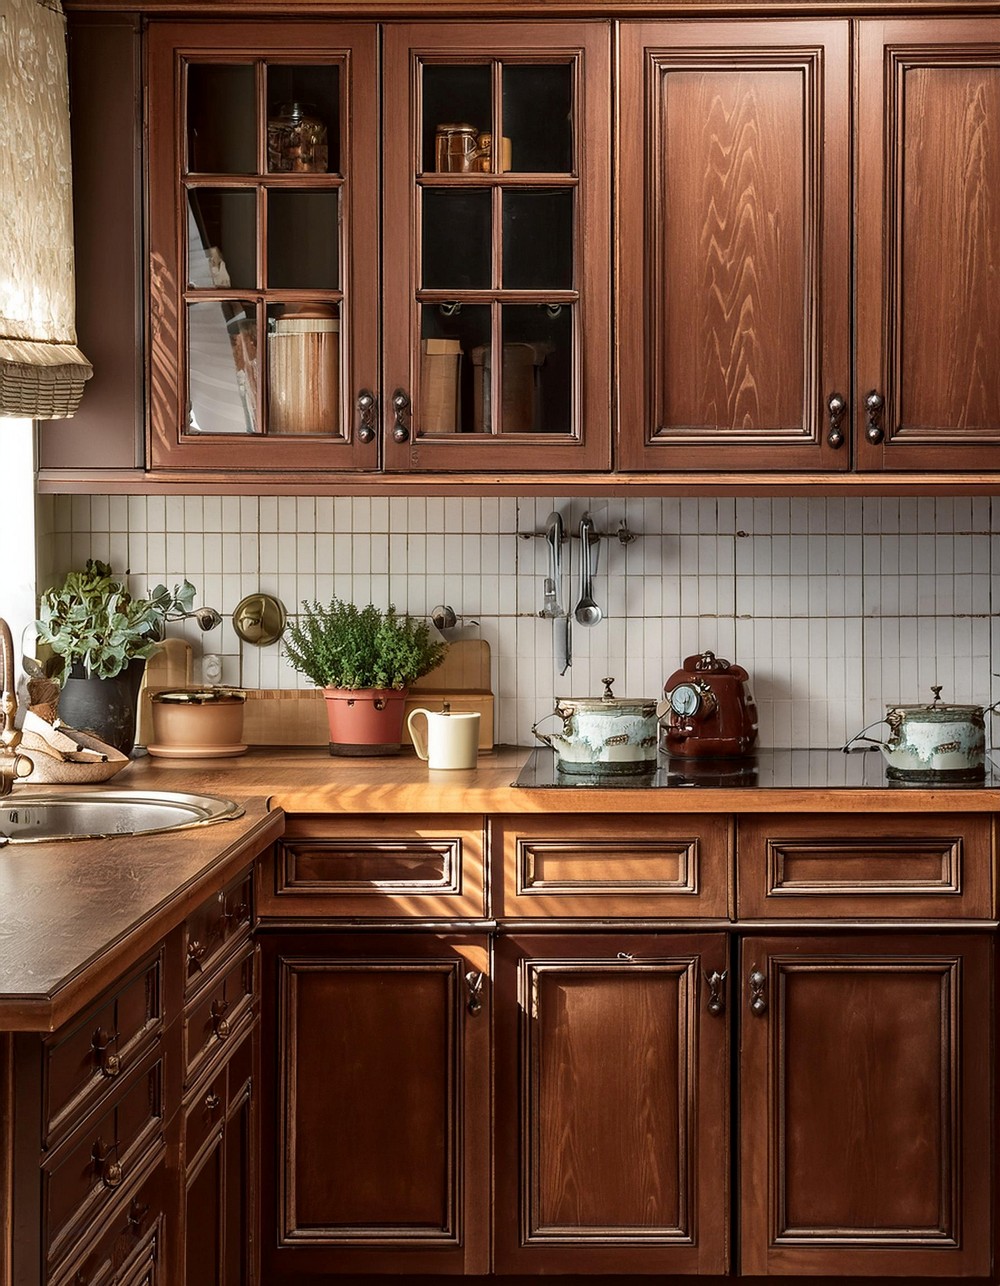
[(452, 740)]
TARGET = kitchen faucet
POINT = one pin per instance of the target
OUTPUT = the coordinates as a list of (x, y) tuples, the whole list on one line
[(12, 764)]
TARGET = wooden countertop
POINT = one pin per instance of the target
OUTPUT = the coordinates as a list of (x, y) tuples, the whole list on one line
[(306, 779), (75, 915)]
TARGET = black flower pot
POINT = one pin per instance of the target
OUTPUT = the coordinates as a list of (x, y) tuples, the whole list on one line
[(105, 707)]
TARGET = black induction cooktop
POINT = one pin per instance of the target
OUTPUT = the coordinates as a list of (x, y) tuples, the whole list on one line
[(767, 769)]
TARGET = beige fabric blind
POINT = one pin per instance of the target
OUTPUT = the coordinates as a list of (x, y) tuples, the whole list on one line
[(42, 372)]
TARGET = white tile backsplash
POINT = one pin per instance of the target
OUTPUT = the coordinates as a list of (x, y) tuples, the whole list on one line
[(837, 607)]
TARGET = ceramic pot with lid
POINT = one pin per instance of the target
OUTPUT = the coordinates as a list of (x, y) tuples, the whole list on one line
[(605, 734), (197, 722), (933, 741)]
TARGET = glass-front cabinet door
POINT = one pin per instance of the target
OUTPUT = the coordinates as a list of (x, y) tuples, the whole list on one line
[(496, 172), (263, 222)]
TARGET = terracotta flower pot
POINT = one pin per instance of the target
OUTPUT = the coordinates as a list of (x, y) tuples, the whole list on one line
[(365, 721)]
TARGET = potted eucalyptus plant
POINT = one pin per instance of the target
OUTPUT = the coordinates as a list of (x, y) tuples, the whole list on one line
[(364, 659), (99, 636)]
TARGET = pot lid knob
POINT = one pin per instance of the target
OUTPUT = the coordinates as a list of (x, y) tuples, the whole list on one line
[(937, 692), (608, 694)]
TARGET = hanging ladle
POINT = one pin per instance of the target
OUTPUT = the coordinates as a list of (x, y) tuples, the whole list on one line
[(587, 611)]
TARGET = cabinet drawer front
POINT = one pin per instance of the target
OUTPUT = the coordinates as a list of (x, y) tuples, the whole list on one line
[(214, 926), (593, 867), (378, 868), (87, 1062), (914, 866), (82, 1179), (125, 1250), (219, 1014)]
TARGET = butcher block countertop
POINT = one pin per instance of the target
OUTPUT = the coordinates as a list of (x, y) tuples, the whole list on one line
[(306, 779), (73, 915)]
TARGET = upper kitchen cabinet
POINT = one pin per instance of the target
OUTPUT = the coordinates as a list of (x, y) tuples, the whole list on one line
[(927, 394), (737, 166), (263, 240), (733, 265), (496, 217)]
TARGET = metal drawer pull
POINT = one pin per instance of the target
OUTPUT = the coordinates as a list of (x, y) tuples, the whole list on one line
[(368, 411), (836, 408), (220, 1023), (110, 1064), (874, 405), (401, 408), (474, 983), (758, 992), (111, 1170), (212, 1101), (196, 954), (716, 991)]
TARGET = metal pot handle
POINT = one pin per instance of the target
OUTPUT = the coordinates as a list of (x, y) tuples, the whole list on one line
[(544, 736), (860, 736)]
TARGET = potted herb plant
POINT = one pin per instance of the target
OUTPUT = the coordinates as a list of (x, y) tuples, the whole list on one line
[(100, 636), (364, 659)]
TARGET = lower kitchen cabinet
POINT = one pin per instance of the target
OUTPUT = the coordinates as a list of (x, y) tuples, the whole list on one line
[(376, 1155), (612, 1103), (866, 1105)]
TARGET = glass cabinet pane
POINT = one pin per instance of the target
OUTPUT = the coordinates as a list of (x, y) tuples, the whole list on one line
[(303, 119), (456, 239), (304, 380), (536, 373), (221, 119), (222, 367), (538, 117), (450, 334), (303, 240), (538, 239), (222, 239), (453, 96)]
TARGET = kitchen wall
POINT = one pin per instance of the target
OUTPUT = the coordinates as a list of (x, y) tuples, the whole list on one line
[(836, 607)]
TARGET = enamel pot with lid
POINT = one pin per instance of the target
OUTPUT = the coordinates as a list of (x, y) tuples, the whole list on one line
[(606, 734), (935, 741)]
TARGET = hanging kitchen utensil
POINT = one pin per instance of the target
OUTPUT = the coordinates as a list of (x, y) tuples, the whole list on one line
[(587, 610)]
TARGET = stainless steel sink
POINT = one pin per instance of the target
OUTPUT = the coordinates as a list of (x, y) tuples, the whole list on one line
[(28, 818)]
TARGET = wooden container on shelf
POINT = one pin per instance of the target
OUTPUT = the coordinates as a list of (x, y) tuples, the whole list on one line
[(304, 371), (520, 407), (440, 383)]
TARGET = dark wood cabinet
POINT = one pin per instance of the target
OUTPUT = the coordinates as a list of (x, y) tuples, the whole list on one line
[(753, 176), (776, 257), (733, 258), (866, 1105), (612, 1104), (377, 1155), (928, 244)]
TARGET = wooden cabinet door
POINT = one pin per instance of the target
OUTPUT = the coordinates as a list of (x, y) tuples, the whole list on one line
[(612, 1094), (733, 246), (263, 265), (376, 1139), (928, 244), (865, 1073), (497, 261)]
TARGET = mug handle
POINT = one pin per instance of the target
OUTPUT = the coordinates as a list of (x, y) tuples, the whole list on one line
[(419, 738)]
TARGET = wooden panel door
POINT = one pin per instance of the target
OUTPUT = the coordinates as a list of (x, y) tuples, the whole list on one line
[(263, 264), (612, 1093), (928, 244), (865, 1102), (376, 1139), (497, 276), (733, 246)]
